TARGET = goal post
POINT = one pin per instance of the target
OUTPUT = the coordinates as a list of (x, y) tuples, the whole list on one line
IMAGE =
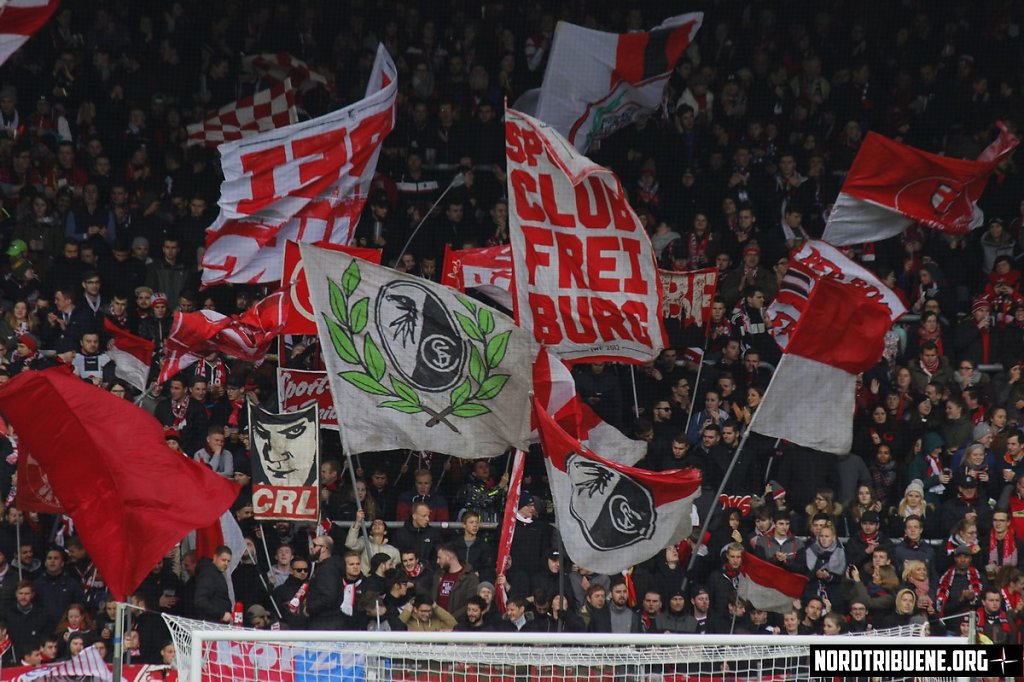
[(206, 652)]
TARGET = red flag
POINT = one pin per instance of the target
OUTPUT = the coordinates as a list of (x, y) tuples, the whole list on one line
[(488, 269), (688, 296), (34, 492), (830, 317), (247, 336), (130, 496), (298, 315), (891, 185), (132, 355), (265, 110), (769, 587), (19, 20), (508, 523)]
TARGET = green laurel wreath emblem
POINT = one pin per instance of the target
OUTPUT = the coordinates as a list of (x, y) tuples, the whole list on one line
[(487, 351)]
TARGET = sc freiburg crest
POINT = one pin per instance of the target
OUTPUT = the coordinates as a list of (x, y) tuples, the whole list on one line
[(417, 348), (613, 511)]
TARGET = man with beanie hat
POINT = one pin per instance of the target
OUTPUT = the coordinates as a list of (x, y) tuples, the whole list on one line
[(26, 355), (966, 501), (863, 543), (531, 542)]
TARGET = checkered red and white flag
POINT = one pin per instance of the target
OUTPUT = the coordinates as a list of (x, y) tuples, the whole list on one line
[(307, 182), (266, 110), (276, 68)]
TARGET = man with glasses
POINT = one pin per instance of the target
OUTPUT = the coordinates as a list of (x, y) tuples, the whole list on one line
[(91, 293), (285, 592), (1002, 547)]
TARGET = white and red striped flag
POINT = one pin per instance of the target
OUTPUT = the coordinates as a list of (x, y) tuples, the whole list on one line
[(132, 355), (19, 21), (247, 336), (488, 270), (830, 318), (307, 182), (88, 663), (688, 296), (596, 82), (555, 390), (769, 587), (890, 186), (616, 516), (508, 524), (266, 110), (276, 68)]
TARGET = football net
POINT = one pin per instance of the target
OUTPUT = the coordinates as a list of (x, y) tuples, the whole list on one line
[(208, 652)]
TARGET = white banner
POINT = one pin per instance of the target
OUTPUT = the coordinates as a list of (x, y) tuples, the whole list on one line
[(585, 273)]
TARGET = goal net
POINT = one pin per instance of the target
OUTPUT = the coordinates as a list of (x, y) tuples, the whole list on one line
[(206, 652)]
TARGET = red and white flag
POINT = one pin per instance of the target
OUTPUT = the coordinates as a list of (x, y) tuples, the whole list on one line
[(891, 185), (555, 389), (247, 336), (307, 182), (596, 82), (266, 110), (297, 389), (769, 587), (830, 318), (88, 663), (508, 524), (279, 67), (298, 314), (585, 273), (226, 532), (19, 21), (132, 355), (615, 516), (688, 296), (488, 270)]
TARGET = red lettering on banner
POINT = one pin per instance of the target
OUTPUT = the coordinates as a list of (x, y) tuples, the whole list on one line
[(547, 199), (586, 332), (327, 154), (595, 199), (261, 166), (570, 261), (523, 145), (609, 320), (622, 214), (635, 283), (599, 265), (363, 139), (523, 182), (536, 236), (636, 314), (546, 327)]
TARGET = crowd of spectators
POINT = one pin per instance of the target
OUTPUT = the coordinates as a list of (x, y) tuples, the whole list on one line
[(104, 208)]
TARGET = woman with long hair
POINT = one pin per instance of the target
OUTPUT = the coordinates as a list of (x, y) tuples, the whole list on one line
[(915, 576)]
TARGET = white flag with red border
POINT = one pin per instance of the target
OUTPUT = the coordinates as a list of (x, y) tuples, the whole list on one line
[(247, 336), (307, 182), (265, 110), (555, 389), (769, 587), (596, 82), (132, 355), (830, 318), (891, 185), (614, 516), (19, 21), (585, 273), (508, 523)]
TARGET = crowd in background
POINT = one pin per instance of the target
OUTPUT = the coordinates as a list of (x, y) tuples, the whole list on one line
[(104, 208)]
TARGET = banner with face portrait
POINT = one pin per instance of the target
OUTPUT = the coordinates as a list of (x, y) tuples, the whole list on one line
[(285, 464)]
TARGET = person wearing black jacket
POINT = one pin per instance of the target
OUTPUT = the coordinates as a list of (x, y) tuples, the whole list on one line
[(283, 593), (473, 549), (417, 535), (212, 600), (25, 620), (323, 600)]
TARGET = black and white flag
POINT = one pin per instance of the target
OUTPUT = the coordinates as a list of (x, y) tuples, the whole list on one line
[(285, 464)]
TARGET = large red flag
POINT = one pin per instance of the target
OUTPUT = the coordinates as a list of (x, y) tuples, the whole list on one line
[(247, 336), (891, 185), (298, 311), (19, 21), (769, 587), (130, 496)]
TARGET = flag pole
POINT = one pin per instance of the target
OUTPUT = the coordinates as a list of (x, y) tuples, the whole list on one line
[(263, 579), (725, 479), (359, 505), (118, 658), (17, 538), (636, 402), (563, 602), (696, 386), (458, 181)]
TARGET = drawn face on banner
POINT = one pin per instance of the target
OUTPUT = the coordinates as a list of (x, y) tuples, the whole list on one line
[(286, 445)]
